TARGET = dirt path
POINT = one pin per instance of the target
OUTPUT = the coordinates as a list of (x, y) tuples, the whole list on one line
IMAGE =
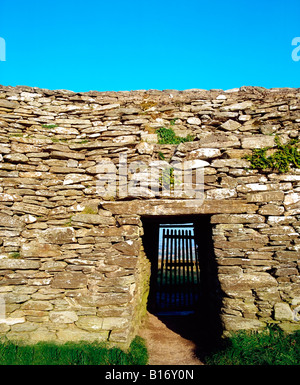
[(166, 347)]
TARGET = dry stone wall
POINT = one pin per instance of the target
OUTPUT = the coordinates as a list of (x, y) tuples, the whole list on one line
[(72, 265)]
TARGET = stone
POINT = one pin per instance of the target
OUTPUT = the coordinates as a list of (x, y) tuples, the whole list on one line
[(17, 158), (236, 163), (24, 148), (76, 178), (37, 305), (4, 148), (269, 196), (247, 281), (190, 164), (90, 323), (94, 219), (234, 323), (37, 249), (72, 262), (220, 141), (64, 317), (30, 208), (195, 121), (221, 193), (283, 312), (10, 221), (110, 323), (69, 280), (230, 125), (292, 200), (258, 141), (104, 299), (18, 264), (75, 334), (8, 104), (145, 148), (129, 247), (237, 218), (237, 106), (60, 235), (203, 153), (271, 209)]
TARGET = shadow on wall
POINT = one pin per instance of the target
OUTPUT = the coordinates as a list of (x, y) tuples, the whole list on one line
[(202, 323)]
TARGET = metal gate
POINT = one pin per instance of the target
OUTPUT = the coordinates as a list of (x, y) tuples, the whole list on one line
[(178, 269)]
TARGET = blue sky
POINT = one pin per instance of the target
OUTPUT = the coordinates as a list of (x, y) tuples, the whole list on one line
[(130, 45)]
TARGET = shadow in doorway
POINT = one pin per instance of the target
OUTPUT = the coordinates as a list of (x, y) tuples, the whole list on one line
[(196, 320)]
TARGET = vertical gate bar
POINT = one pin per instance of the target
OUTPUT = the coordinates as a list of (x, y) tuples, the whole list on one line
[(187, 267), (162, 262), (180, 268), (184, 287), (197, 261), (175, 268), (170, 270), (166, 269), (179, 277), (192, 268)]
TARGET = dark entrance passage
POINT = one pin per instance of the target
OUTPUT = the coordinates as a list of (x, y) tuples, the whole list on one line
[(184, 288), (178, 275), (179, 249)]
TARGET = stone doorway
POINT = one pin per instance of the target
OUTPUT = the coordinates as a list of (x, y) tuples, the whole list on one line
[(198, 319), (172, 249)]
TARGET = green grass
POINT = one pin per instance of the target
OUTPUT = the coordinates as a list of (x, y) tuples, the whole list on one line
[(168, 136), (72, 354), (284, 156), (49, 125), (270, 347)]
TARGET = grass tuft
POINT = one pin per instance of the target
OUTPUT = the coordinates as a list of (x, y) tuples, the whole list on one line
[(46, 353), (270, 347)]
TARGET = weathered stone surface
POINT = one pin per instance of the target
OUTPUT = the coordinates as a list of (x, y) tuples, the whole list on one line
[(30, 208), (220, 194), (60, 235), (18, 264), (65, 317), (8, 104), (37, 249), (283, 312), (220, 141), (247, 281), (203, 153), (230, 125), (145, 148), (93, 219), (271, 209), (237, 163), (76, 178), (258, 141), (268, 196), (128, 247), (72, 264), (69, 280), (233, 323), (10, 221), (90, 323), (237, 218)]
